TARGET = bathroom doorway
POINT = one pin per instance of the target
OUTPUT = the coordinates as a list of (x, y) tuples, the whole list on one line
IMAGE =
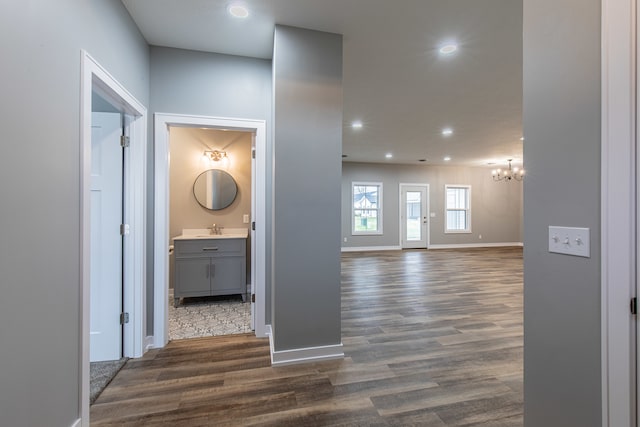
[(213, 312), (164, 123)]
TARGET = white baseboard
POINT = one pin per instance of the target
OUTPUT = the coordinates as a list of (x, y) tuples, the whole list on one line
[(476, 245), (370, 248), (442, 246), (77, 423), (148, 343), (303, 355)]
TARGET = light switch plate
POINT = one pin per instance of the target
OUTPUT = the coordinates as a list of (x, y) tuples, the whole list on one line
[(245, 219), (569, 241)]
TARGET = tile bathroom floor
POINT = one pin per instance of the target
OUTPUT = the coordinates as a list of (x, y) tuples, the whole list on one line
[(208, 317)]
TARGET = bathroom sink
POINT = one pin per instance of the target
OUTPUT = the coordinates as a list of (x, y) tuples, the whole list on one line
[(204, 233)]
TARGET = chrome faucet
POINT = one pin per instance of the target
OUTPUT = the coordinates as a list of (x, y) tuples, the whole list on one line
[(215, 229)]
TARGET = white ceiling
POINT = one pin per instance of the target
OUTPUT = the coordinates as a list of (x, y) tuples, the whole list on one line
[(394, 81)]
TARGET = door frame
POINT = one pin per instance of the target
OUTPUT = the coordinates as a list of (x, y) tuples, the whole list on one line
[(162, 123), (619, 200), (95, 78), (426, 186), (252, 231)]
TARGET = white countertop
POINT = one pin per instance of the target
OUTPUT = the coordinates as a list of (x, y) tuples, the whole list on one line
[(205, 233)]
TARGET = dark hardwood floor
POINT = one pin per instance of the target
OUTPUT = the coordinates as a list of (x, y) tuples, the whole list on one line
[(431, 338)]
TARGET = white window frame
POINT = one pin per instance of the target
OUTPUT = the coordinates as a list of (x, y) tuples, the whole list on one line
[(447, 230), (379, 209)]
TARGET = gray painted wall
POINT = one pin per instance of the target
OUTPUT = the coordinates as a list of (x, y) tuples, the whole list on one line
[(186, 146), (562, 150), (307, 95), (209, 84), (40, 42), (496, 207)]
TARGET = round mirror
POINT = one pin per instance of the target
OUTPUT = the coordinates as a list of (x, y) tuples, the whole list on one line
[(215, 189)]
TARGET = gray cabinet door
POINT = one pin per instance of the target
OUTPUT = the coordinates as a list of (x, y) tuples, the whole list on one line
[(192, 277), (227, 275)]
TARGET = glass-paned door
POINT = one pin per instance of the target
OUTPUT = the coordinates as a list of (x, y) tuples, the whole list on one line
[(414, 216)]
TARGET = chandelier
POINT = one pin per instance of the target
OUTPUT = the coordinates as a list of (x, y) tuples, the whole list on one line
[(508, 174)]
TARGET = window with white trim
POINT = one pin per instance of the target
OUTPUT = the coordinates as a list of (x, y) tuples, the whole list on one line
[(366, 208), (457, 208)]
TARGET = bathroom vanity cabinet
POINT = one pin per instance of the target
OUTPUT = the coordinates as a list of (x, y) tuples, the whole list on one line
[(209, 266)]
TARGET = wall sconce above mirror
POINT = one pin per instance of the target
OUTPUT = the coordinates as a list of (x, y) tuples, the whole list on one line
[(215, 155)]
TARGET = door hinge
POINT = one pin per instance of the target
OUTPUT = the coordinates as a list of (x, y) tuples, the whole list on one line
[(124, 318), (253, 297), (253, 226), (124, 141), (633, 306), (124, 229), (253, 154)]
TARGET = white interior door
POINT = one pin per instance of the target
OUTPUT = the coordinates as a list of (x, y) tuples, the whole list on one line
[(106, 241), (414, 215)]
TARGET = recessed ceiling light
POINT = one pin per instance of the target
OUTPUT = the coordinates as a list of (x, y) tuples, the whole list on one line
[(448, 48), (388, 155), (522, 138), (356, 125), (446, 159), (238, 10), (447, 131)]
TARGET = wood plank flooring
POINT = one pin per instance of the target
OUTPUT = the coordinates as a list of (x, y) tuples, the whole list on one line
[(431, 338)]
